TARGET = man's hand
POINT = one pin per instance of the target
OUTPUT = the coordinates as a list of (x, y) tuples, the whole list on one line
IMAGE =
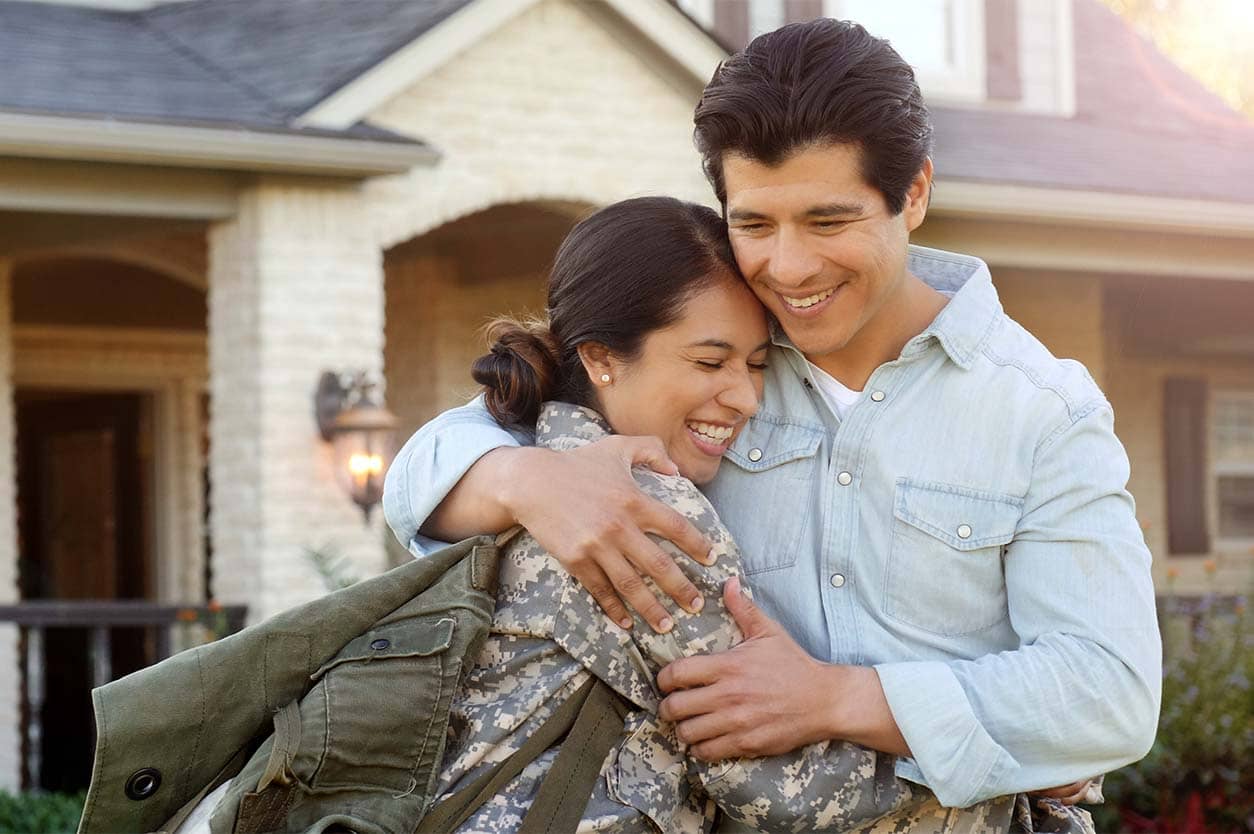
[(584, 507), (1071, 794), (768, 696)]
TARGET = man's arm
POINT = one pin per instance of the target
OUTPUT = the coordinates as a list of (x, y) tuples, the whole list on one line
[(1078, 698), (464, 474), (1081, 695)]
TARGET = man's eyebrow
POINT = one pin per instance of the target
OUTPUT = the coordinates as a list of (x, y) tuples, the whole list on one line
[(715, 343), (744, 214), (834, 210)]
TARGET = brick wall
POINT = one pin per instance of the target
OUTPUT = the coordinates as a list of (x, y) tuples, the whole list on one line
[(552, 106), (296, 288)]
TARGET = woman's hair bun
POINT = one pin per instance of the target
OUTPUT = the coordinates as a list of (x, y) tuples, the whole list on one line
[(519, 372)]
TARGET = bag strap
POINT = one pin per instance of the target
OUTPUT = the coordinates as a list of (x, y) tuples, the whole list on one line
[(566, 788), (592, 720)]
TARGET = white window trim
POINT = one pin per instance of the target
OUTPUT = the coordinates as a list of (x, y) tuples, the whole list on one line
[(965, 82), (1220, 468)]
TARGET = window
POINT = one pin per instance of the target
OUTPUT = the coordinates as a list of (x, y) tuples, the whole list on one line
[(1232, 442), (942, 39)]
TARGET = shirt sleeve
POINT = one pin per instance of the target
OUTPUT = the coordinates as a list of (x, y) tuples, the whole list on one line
[(1088, 669), (431, 463)]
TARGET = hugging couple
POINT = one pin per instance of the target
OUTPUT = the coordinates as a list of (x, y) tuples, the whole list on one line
[(952, 620), (849, 549)]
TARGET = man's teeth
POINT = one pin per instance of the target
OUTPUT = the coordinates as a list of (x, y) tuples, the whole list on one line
[(718, 434), (808, 301)]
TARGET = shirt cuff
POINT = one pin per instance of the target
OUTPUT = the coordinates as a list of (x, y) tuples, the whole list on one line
[(953, 754)]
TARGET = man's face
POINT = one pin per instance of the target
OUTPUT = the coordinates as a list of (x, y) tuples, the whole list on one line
[(818, 245)]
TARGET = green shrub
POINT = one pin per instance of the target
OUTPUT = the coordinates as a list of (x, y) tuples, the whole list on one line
[(1197, 775), (40, 813)]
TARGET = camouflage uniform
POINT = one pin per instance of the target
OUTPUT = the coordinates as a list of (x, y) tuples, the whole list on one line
[(548, 636)]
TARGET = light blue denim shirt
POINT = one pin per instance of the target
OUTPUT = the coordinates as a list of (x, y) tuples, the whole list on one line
[(965, 530)]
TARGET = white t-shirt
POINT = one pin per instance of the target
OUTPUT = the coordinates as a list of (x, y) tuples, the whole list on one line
[(840, 398)]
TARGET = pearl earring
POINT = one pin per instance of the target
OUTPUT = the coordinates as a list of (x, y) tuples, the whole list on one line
[(605, 378)]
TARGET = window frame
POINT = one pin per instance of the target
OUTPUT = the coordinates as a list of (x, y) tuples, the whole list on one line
[(965, 80), (1225, 468)]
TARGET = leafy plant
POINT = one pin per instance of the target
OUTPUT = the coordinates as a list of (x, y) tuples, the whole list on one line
[(40, 813), (335, 569)]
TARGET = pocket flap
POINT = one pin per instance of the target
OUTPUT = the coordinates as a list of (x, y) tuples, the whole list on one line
[(963, 518), (407, 638), (772, 444)]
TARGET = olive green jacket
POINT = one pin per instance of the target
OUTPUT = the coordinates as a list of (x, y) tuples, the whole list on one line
[(369, 662)]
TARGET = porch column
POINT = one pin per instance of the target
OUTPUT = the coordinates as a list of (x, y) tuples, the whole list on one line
[(295, 289), (10, 681)]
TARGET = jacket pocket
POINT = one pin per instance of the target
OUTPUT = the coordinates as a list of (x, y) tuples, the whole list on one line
[(944, 572), (377, 713), (765, 497)]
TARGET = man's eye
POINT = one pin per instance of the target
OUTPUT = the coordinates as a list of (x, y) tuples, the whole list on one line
[(757, 366), (713, 366), (829, 224)]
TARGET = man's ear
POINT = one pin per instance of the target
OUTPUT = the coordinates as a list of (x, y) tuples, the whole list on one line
[(918, 196), (598, 363)]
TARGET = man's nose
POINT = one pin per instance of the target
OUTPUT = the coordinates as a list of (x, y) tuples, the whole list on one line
[(793, 261)]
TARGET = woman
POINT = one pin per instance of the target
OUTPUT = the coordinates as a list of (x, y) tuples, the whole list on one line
[(650, 332)]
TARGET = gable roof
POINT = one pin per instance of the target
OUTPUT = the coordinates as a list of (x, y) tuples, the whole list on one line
[(1142, 126), (245, 63)]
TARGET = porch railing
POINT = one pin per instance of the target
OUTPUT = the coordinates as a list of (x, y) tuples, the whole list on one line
[(98, 617)]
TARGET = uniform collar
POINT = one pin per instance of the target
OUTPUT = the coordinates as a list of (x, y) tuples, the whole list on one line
[(564, 426), (964, 323)]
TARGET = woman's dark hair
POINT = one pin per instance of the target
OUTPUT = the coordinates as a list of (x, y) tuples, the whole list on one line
[(822, 82), (619, 275)]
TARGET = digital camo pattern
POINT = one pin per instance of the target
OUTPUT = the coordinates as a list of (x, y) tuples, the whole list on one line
[(549, 635)]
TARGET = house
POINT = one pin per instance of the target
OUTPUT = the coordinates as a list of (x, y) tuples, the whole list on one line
[(206, 205)]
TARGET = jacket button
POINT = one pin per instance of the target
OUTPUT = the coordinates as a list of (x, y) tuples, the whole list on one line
[(964, 531), (755, 455), (380, 644), (143, 783)]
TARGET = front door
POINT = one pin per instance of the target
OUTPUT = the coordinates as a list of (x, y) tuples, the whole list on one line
[(83, 509)]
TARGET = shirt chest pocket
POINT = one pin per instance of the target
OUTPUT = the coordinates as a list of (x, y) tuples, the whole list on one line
[(944, 573), (766, 496)]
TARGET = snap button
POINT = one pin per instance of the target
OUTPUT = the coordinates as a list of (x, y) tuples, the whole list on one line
[(380, 644), (838, 581), (844, 479), (877, 396), (143, 783), (964, 531), (755, 455)]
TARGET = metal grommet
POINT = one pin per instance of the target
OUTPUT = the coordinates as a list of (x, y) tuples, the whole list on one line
[(381, 644), (143, 783)]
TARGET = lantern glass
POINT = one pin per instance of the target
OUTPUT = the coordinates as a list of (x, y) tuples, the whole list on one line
[(363, 450)]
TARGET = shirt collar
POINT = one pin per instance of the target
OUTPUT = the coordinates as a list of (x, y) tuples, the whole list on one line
[(564, 426), (964, 323)]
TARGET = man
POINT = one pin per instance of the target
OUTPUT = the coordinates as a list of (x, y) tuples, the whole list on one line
[(931, 506)]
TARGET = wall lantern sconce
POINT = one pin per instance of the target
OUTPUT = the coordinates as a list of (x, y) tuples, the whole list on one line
[(352, 418)]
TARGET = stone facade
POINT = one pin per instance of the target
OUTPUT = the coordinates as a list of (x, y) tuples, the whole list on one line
[(295, 289)]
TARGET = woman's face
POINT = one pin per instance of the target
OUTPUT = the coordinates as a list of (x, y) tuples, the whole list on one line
[(696, 382)]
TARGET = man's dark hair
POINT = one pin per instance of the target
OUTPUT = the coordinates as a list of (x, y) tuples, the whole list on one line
[(822, 82)]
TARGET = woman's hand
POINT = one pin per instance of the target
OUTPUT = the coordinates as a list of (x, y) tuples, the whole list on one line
[(584, 507)]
